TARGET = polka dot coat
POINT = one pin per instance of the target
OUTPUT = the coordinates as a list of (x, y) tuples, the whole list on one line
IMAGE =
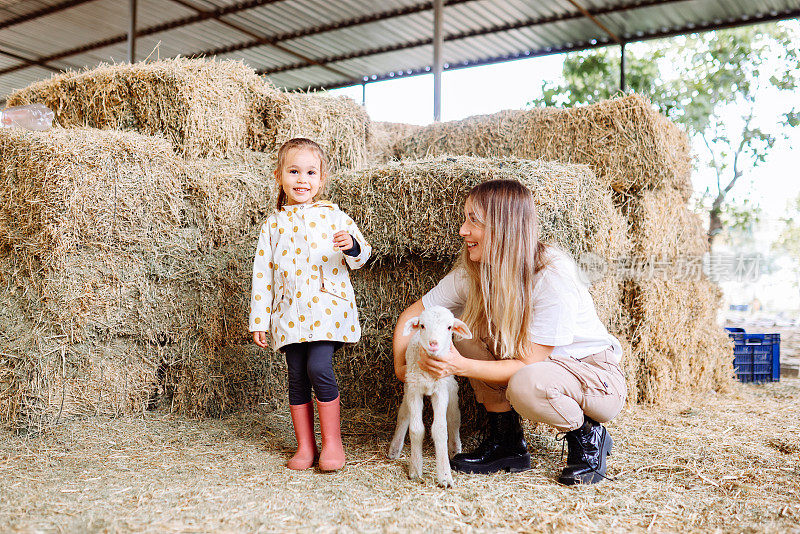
[(301, 287)]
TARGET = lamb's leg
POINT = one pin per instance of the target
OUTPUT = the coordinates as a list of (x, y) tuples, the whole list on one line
[(453, 420), (396, 446), (416, 431), (439, 400)]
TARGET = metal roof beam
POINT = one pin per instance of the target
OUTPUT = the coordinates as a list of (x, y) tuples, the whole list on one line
[(262, 40), (572, 47), (338, 25), (49, 10), (594, 19), (638, 4), (158, 28), (29, 62)]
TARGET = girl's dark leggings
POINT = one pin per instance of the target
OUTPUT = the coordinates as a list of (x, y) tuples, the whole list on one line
[(311, 364)]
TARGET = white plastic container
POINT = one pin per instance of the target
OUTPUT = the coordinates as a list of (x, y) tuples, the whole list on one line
[(30, 117)]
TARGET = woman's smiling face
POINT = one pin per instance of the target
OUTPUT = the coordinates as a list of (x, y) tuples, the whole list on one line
[(472, 230)]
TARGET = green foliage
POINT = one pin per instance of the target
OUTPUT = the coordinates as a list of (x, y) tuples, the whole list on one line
[(709, 83)]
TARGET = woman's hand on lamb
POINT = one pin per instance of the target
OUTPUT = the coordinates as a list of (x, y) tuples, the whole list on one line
[(451, 363)]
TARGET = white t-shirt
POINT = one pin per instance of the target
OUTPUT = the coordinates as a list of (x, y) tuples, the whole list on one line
[(564, 315)]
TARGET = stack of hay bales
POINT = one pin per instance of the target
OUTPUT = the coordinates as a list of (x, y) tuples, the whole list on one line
[(121, 230), (92, 238), (644, 159)]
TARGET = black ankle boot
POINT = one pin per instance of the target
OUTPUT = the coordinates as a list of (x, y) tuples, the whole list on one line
[(502, 449), (586, 461)]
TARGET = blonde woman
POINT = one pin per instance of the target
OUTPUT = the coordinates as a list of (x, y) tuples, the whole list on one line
[(539, 348)]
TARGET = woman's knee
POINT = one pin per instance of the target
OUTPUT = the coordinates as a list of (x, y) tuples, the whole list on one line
[(527, 391)]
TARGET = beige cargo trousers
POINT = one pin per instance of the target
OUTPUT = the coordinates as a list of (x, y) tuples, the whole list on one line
[(557, 391)]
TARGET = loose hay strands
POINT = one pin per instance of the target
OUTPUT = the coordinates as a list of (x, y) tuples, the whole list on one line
[(628, 144), (703, 463)]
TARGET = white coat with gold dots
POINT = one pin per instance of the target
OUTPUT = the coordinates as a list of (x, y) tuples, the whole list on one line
[(301, 287)]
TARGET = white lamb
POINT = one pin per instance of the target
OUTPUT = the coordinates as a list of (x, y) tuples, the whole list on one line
[(433, 331)]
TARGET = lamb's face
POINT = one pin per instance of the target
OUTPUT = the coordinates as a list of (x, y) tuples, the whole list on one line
[(435, 327)]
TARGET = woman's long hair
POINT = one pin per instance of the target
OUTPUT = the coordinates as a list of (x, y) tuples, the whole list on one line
[(499, 303), (308, 144)]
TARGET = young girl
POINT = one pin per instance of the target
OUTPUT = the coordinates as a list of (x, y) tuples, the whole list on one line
[(303, 297), (539, 348)]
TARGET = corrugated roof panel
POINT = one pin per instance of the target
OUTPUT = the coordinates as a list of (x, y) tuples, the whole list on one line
[(261, 57), (11, 9), (22, 79)]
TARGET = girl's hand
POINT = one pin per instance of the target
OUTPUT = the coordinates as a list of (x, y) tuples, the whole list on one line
[(451, 363), (342, 240), (260, 339)]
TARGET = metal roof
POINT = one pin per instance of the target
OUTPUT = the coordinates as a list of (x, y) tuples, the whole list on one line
[(320, 43)]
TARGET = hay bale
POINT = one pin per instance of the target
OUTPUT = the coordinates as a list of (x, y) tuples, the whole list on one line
[(230, 196), (416, 207), (676, 337), (628, 144), (46, 378), (339, 125), (385, 136), (662, 226), (95, 219), (205, 108)]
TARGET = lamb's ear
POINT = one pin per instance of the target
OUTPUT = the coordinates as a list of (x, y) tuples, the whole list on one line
[(411, 324), (461, 328)]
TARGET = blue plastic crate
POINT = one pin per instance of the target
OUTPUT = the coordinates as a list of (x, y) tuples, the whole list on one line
[(756, 357)]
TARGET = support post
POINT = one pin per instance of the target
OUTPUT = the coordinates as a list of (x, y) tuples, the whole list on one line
[(363, 93), (438, 41), (622, 67), (132, 32)]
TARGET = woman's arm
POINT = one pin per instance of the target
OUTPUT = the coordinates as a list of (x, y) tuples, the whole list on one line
[(400, 340), (497, 371)]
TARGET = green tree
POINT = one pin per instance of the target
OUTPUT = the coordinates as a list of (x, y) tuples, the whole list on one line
[(710, 83)]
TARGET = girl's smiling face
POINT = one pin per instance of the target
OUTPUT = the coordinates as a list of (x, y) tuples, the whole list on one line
[(301, 176), (472, 230)]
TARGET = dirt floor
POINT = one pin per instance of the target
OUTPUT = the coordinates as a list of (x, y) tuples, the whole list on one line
[(718, 462)]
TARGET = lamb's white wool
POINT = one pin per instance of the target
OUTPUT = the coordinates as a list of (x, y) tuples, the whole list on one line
[(433, 331)]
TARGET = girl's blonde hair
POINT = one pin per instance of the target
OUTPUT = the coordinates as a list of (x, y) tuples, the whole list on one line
[(300, 143), (499, 302)]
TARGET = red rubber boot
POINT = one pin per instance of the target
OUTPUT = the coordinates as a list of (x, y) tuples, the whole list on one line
[(303, 421), (332, 456)]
